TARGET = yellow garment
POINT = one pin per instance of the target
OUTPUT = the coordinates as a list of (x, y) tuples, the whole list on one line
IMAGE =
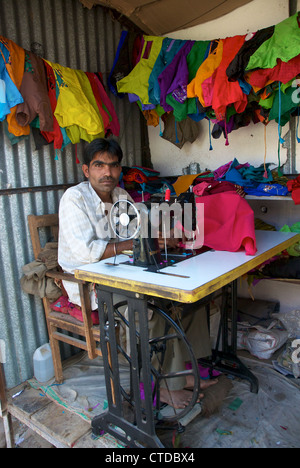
[(136, 81), (76, 105), (206, 70), (76, 133)]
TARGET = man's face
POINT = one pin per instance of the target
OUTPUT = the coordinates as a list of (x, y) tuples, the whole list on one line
[(103, 173)]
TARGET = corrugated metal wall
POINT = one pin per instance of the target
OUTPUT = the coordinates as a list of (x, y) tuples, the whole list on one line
[(32, 181)]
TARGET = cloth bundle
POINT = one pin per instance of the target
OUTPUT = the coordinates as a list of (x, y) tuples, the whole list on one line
[(34, 280)]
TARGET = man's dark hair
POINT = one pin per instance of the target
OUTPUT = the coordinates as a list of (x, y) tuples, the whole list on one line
[(102, 145)]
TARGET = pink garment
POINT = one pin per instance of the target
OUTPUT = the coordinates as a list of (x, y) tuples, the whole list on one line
[(208, 90), (228, 223)]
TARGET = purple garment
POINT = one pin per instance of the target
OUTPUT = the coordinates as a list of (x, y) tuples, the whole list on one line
[(133, 97), (175, 75)]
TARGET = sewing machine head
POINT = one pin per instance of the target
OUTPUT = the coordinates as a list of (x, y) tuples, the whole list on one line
[(147, 221)]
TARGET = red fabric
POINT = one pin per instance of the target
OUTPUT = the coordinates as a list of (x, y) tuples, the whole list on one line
[(64, 306), (92, 79), (56, 135), (294, 187), (77, 313), (114, 124), (228, 223), (284, 72), (227, 92), (60, 305), (211, 186)]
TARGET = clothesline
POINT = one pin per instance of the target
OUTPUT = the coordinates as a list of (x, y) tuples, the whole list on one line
[(56, 103), (230, 82)]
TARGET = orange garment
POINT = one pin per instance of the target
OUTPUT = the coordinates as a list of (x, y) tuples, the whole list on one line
[(151, 117), (15, 68), (205, 71), (183, 182), (227, 92)]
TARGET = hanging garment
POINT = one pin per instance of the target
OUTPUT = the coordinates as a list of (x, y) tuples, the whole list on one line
[(179, 133), (208, 67), (9, 93), (114, 75), (106, 117), (35, 94), (283, 71), (169, 49), (75, 111), (15, 67), (114, 124), (283, 106), (137, 80), (284, 44), (236, 69), (56, 135), (175, 75), (182, 105), (125, 60), (75, 132), (227, 92)]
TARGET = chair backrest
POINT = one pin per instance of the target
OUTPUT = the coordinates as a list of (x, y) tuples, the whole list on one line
[(35, 224)]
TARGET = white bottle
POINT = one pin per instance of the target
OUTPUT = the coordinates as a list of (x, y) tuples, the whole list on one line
[(43, 363)]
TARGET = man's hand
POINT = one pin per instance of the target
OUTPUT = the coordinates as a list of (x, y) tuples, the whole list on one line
[(171, 241)]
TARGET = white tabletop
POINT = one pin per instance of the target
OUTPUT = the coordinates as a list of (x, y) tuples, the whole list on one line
[(211, 269)]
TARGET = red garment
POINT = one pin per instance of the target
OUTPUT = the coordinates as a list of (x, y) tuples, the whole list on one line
[(93, 82), (284, 72), (56, 135), (226, 92), (211, 186), (228, 223), (114, 124), (294, 187)]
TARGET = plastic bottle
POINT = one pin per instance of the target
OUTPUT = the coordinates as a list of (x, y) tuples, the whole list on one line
[(43, 363)]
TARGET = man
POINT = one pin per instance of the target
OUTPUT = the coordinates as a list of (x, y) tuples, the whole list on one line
[(85, 236)]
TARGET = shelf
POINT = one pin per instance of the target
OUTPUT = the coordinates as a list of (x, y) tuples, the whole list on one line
[(266, 197)]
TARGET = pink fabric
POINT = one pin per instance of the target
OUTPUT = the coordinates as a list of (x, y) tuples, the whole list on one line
[(77, 313), (228, 223)]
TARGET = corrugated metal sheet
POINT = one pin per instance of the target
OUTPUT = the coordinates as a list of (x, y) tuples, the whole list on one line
[(65, 32)]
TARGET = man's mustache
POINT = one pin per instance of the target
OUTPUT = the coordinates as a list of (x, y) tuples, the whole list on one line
[(105, 179)]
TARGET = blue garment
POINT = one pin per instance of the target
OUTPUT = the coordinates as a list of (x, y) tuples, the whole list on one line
[(10, 96), (169, 49), (267, 190), (110, 80)]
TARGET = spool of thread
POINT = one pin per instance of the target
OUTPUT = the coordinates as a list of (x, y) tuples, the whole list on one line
[(167, 195)]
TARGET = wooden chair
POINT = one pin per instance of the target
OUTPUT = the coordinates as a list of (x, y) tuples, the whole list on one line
[(57, 322), (4, 411)]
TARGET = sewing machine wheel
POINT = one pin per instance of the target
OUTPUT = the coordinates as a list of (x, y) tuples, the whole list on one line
[(125, 219), (157, 347)]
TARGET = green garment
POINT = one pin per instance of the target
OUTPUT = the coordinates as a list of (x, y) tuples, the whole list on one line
[(294, 251), (284, 44), (287, 106)]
